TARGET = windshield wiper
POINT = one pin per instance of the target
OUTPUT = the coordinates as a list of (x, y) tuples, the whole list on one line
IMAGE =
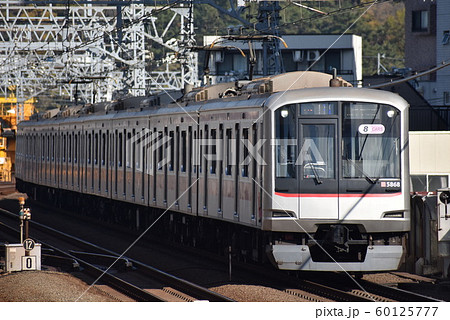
[(357, 167), (316, 175)]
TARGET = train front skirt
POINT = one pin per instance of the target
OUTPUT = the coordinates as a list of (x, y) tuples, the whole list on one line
[(298, 257)]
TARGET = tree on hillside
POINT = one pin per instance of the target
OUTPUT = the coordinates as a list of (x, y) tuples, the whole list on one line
[(381, 27)]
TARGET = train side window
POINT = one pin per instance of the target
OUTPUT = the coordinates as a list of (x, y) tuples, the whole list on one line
[(142, 146), (213, 153), (64, 148), (75, 155), (199, 159), (206, 150), (73, 146), (44, 146), (194, 152), (89, 155), (254, 142), (245, 153), (42, 151), (127, 150), (138, 141), (96, 149), (176, 163), (220, 150), (80, 152), (103, 148), (41, 146), (48, 147), (160, 150), (112, 144), (29, 147), (69, 156), (69, 147), (228, 153), (113, 150), (171, 159), (150, 150), (132, 142), (34, 147), (236, 148), (53, 148), (183, 151), (285, 134), (120, 149)]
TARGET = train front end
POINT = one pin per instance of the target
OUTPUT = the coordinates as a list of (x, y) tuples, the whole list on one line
[(338, 180)]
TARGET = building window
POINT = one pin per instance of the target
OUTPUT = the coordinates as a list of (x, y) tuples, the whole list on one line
[(429, 183), (420, 21), (437, 182), (446, 38), (419, 182)]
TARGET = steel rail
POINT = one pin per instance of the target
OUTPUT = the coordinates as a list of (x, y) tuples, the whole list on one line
[(396, 294), (187, 287), (120, 285)]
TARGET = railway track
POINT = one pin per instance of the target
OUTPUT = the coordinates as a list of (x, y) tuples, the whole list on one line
[(374, 291), (394, 294), (166, 287), (307, 289)]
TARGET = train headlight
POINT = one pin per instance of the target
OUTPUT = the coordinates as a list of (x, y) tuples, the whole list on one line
[(391, 113), (284, 113)]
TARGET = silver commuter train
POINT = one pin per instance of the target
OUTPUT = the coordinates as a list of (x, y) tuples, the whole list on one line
[(316, 177)]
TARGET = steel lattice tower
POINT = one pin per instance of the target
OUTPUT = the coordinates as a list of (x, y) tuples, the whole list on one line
[(92, 49)]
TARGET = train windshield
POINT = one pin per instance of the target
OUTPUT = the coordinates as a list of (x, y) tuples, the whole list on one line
[(370, 141), (330, 140)]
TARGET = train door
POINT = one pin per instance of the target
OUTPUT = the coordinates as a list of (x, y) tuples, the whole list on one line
[(317, 160)]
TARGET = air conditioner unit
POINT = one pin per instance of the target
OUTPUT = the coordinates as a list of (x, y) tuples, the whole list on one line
[(297, 55), (312, 55)]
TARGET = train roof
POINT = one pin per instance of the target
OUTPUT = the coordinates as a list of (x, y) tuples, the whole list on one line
[(269, 92), (337, 94), (221, 91)]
